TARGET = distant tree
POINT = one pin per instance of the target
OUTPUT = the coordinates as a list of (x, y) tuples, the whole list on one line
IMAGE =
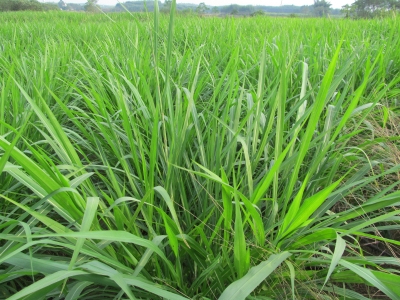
[(49, 6), (136, 6), (346, 10), (187, 11), (306, 9), (91, 6), (321, 8), (215, 10), (167, 6), (16, 5), (235, 9), (202, 8), (374, 8), (62, 5), (258, 13), (76, 7)]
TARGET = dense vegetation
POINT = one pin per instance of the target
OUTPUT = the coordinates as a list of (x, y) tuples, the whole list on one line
[(368, 9), (145, 157), (21, 5)]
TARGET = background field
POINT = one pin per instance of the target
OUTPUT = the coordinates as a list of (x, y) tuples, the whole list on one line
[(149, 157)]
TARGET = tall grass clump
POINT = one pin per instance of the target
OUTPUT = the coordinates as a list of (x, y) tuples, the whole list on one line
[(160, 157)]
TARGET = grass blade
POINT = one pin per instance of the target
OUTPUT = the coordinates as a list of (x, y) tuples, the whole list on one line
[(241, 288)]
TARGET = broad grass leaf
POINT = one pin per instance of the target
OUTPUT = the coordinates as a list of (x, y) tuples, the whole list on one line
[(56, 226), (241, 288), (170, 229), (337, 255), (390, 280), (152, 288), (8, 149), (88, 217), (123, 280), (239, 248), (227, 202), (114, 236), (309, 206), (294, 207), (43, 266), (171, 207), (257, 225), (46, 182), (248, 164), (147, 254), (379, 218), (292, 277), (213, 267), (373, 204), (345, 292), (118, 279), (74, 292), (78, 180), (321, 235), (43, 293), (53, 126), (265, 183), (46, 281), (374, 279)]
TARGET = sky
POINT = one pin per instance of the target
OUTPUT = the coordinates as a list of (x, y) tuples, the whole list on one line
[(335, 3)]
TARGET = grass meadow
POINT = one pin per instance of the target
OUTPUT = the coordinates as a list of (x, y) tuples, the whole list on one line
[(150, 156)]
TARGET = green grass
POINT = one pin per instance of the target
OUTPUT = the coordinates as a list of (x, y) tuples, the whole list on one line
[(148, 157)]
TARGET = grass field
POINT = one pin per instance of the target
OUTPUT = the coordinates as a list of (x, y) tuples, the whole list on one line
[(154, 157)]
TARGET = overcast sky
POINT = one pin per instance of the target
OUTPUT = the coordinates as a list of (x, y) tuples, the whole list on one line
[(335, 3)]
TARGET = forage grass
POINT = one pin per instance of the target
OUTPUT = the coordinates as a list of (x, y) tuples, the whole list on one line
[(147, 156)]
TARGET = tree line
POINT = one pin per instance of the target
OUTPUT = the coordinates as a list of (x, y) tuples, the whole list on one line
[(17, 5), (320, 8), (371, 8), (232, 9)]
